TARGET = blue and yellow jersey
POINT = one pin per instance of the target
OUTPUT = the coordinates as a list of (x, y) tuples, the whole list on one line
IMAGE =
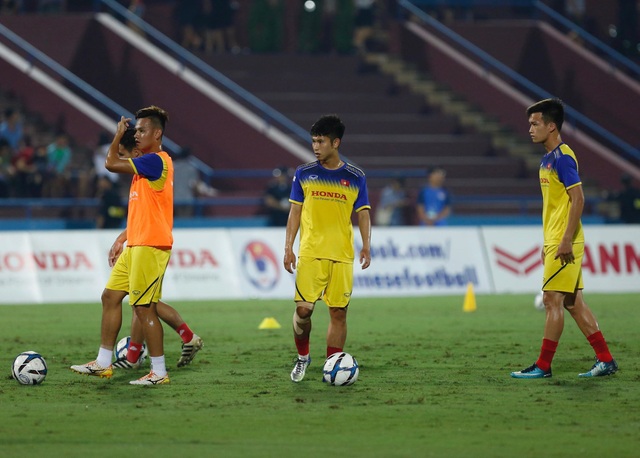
[(328, 198), (558, 173), (150, 219)]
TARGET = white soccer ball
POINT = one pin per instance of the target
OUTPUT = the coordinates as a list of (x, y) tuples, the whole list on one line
[(123, 346), (29, 368), (537, 302), (340, 369)]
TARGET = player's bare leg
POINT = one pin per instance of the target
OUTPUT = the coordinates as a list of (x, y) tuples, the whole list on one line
[(554, 322), (337, 331), (191, 342), (153, 335), (301, 335), (109, 328), (111, 317), (581, 313), (553, 327), (586, 321)]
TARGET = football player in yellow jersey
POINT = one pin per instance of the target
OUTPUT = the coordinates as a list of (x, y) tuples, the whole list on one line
[(139, 270), (323, 196), (563, 248)]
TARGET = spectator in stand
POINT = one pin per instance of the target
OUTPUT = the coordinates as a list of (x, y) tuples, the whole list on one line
[(39, 178), (363, 24), (186, 178), (627, 39), (189, 15), (22, 168), (266, 26), (58, 158), (51, 6), (100, 155), (276, 197), (434, 200), (5, 167), (10, 6), (112, 211), (136, 7), (393, 201), (220, 34), (628, 201), (11, 128)]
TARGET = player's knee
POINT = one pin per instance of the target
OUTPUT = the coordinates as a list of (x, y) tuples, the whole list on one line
[(300, 323)]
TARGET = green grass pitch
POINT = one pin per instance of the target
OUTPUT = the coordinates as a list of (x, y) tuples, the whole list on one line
[(434, 382)]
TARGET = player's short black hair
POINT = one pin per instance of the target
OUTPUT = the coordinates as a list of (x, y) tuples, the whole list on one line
[(157, 115), (552, 110), (328, 126), (128, 140)]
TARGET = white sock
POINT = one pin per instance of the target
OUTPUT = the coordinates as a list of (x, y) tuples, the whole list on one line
[(303, 357), (157, 366), (104, 357)]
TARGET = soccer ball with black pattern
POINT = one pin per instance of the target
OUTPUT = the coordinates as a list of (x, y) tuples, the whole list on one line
[(123, 345), (340, 369), (29, 368)]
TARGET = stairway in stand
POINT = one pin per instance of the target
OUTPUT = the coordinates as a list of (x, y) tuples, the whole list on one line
[(392, 129)]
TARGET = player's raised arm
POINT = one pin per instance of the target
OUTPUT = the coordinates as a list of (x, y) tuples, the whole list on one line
[(115, 163)]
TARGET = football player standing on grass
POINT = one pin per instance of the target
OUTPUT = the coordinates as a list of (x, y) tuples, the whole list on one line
[(562, 204), (139, 270), (191, 343), (324, 195)]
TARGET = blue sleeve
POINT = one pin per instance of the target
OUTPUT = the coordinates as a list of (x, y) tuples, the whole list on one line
[(363, 195), (297, 194), (567, 171), (149, 166)]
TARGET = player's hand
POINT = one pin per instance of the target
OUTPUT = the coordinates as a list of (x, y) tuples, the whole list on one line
[(365, 258), (123, 125), (565, 253), (115, 252), (289, 261)]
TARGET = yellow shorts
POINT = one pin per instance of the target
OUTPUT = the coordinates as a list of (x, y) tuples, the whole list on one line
[(322, 278), (139, 271), (557, 277)]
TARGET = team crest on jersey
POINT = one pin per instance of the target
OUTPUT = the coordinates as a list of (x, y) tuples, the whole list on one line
[(344, 182)]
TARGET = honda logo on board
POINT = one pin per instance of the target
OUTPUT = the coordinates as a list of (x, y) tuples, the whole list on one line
[(519, 265)]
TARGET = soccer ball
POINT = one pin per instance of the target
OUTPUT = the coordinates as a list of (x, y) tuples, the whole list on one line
[(29, 368), (340, 369), (537, 302), (123, 345)]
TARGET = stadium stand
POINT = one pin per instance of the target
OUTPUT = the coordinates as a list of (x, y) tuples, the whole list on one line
[(394, 127)]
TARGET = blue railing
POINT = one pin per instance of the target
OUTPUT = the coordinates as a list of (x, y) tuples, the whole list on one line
[(41, 213), (573, 116)]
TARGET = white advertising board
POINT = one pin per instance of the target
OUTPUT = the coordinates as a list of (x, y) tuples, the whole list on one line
[(72, 266), (412, 261), (202, 266), (259, 257), (611, 262)]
